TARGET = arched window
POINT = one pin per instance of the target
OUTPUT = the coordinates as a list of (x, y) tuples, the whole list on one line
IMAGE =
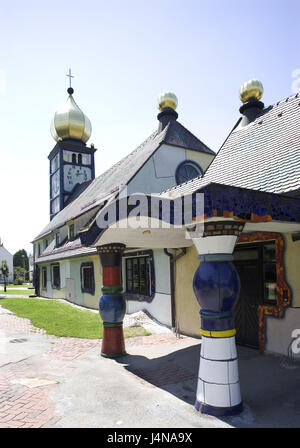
[(80, 159), (187, 170), (74, 158)]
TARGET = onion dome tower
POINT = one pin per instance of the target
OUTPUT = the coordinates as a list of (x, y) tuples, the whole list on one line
[(72, 165), (69, 122)]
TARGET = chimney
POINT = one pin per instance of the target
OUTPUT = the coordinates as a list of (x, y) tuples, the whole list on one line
[(250, 94), (167, 104)]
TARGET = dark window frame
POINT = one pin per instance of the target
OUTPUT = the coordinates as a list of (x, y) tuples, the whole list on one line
[(90, 289), (129, 294), (44, 277), (188, 162), (72, 232), (55, 285), (262, 262)]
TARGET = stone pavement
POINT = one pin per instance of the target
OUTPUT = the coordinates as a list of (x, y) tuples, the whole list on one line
[(64, 382)]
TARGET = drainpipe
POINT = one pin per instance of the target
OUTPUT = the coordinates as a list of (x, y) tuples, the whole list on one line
[(173, 259)]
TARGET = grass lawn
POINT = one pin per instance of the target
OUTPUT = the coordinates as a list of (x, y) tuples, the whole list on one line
[(13, 291), (60, 319)]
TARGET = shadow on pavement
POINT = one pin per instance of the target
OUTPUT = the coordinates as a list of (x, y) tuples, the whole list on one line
[(270, 388)]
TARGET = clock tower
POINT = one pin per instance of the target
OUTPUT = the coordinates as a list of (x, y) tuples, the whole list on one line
[(72, 165)]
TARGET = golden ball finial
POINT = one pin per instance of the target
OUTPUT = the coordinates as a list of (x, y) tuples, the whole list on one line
[(167, 99), (252, 89)]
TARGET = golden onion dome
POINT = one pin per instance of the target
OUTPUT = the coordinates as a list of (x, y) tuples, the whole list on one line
[(252, 89), (70, 122), (167, 99)]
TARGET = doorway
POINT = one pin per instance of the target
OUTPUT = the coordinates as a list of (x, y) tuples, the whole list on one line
[(256, 266)]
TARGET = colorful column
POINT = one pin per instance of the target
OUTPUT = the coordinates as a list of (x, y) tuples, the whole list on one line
[(112, 305), (216, 286)]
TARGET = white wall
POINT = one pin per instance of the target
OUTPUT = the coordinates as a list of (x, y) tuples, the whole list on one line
[(279, 332), (160, 307), (158, 173), (5, 255)]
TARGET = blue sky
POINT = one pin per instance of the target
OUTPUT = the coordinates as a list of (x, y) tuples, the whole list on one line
[(124, 53)]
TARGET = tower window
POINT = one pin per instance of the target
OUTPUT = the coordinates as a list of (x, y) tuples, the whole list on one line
[(74, 158), (80, 159)]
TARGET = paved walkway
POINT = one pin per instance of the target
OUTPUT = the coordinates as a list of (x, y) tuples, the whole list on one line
[(64, 382)]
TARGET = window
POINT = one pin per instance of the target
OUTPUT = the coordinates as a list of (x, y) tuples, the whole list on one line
[(80, 159), (55, 276), (44, 278), (138, 275), (87, 278), (39, 249), (262, 255), (269, 272), (57, 239), (71, 232), (74, 158), (187, 170), (54, 163)]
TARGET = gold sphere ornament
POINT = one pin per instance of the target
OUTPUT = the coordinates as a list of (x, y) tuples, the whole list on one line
[(252, 89), (167, 99)]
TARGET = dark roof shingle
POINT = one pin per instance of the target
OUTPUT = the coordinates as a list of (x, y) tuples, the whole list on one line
[(265, 155)]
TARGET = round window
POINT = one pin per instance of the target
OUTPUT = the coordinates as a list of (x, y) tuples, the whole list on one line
[(187, 170)]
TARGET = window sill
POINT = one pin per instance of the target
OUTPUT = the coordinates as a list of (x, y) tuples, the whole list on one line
[(138, 297)]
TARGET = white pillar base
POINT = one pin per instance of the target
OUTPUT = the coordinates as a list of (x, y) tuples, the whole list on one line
[(218, 391)]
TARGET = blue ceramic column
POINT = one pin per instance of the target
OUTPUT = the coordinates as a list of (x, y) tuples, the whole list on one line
[(216, 286), (112, 305)]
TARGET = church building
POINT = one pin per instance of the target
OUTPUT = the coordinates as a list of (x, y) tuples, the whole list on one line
[(234, 258)]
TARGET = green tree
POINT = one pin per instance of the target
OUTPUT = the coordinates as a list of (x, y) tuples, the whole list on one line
[(21, 260), (5, 272), (19, 275)]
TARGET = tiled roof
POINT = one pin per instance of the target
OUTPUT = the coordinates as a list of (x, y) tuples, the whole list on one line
[(108, 184), (265, 155), (178, 135), (67, 250)]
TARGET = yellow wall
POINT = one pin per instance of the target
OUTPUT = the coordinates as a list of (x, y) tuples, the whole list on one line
[(88, 300), (71, 269), (187, 307), (201, 158), (292, 268)]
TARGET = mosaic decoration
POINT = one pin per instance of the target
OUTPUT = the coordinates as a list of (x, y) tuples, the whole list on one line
[(240, 204), (112, 305), (222, 228), (283, 291), (216, 286)]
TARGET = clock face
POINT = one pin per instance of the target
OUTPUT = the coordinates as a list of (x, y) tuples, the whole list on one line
[(74, 174), (55, 184)]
